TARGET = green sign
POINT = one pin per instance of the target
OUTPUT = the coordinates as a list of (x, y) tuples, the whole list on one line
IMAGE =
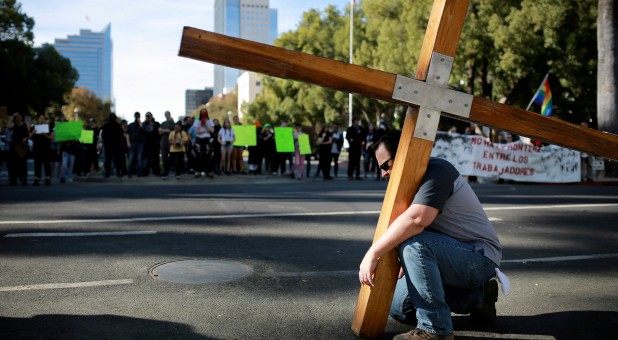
[(245, 135), (304, 145), (284, 139), (87, 137), (68, 131)]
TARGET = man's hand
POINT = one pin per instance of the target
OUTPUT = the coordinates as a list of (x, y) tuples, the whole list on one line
[(367, 268)]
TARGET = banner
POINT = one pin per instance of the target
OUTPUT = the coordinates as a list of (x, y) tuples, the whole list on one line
[(478, 156), (87, 137), (284, 139), (68, 131), (303, 144), (245, 135)]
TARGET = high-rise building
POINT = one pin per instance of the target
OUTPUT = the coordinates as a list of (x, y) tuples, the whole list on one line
[(245, 19), (249, 87), (91, 55), (196, 98)]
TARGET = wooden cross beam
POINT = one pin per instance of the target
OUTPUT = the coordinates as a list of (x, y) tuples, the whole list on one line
[(428, 96)]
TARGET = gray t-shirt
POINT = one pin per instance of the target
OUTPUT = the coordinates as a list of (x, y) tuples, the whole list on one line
[(461, 215)]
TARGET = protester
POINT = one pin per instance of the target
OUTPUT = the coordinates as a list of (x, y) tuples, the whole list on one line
[(369, 161), (448, 250), (41, 149), (226, 139), (237, 160), (177, 140), (165, 128), (216, 147), (256, 152), (299, 159), (152, 146), (270, 149), (90, 155), (112, 135), (68, 149), (356, 139), (19, 150), (336, 148), (324, 149), (204, 127), (136, 147)]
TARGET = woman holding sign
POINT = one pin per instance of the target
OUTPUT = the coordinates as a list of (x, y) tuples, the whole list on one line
[(226, 139), (299, 159), (41, 149)]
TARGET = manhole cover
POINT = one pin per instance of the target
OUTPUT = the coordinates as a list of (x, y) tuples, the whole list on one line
[(200, 271)]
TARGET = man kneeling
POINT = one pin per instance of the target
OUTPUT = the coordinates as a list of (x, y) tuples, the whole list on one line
[(448, 251)]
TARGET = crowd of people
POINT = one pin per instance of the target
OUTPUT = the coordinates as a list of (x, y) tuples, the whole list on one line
[(192, 146)]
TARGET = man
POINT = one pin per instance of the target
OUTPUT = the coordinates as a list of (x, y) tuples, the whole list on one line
[(112, 136), (356, 138), (90, 156), (164, 132), (152, 146), (336, 147), (136, 148), (448, 250)]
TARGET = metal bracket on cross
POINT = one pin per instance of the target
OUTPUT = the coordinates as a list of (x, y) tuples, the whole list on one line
[(433, 96)]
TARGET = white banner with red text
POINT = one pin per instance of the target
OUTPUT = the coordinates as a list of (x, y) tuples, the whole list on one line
[(477, 156)]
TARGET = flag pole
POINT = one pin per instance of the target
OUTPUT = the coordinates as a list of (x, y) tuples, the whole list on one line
[(351, 59), (537, 91)]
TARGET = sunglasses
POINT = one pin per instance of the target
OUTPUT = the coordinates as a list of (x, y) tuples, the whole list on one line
[(384, 166)]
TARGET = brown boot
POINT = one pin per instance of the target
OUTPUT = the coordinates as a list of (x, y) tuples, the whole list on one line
[(419, 334)]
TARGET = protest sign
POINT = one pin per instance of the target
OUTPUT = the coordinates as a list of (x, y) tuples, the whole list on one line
[(87, 137), (284, 139), (477, 156), (245, 135), (304, 145), (68, 131)]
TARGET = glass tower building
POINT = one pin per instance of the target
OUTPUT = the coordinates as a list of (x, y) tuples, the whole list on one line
[(91, 55), (245, 19)]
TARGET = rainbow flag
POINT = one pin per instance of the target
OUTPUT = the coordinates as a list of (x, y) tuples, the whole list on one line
[(543, 97)]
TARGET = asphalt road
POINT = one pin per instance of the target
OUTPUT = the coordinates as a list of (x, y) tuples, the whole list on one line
[(76, 259)]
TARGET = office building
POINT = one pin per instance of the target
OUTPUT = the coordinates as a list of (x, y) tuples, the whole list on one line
[(245, 19), (196, 98), (91, 55), (249, 86)]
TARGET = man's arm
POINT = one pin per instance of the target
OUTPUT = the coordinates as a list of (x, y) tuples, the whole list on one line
[(412, 222)]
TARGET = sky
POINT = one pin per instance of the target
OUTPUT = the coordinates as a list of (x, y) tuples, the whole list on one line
[(148, 74)]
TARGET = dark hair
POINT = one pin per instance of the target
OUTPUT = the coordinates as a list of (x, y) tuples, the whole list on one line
[(390, 140)]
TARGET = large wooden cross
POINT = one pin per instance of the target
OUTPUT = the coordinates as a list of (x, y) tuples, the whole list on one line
[(426, 95)]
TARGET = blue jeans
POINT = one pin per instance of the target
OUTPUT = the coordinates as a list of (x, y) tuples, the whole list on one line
[(68, 160), (135, 158), (440, 272)]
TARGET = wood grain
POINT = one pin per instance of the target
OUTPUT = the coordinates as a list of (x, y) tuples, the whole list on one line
[(238, 53)]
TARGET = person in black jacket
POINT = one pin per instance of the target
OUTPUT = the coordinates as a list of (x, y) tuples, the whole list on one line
[(356, 139), (41, 151), (112, 136), (19, 150)]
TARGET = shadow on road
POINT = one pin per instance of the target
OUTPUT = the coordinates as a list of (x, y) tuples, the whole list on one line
[(93, 327), (593, 325)]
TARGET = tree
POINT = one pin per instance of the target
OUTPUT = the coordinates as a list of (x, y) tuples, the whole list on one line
[(506, 48), (83, 104), (53, 79), (221, 107), (607, 71), (15, 25), (32, 78)]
